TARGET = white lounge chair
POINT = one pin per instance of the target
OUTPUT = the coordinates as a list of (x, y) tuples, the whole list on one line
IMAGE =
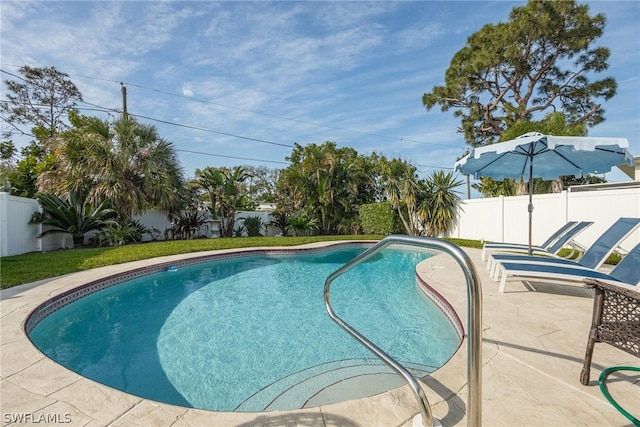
[(551, 252), (519, 247), (593, 257), (625, 274)]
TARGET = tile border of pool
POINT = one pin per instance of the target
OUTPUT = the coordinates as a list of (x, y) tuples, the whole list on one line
[(442, 304), (67, 287)]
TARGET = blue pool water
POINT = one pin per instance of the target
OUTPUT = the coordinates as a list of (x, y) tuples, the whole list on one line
[(249, 333)]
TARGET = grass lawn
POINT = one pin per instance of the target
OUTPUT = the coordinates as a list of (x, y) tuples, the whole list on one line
[(31, 267)]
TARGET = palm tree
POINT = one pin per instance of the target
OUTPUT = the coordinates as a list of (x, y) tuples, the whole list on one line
[(438, 209), (127, 163), (303, 225), (72, 216), (290, 197), (319, 161), (232, 198), (328, 184), (224, 188), (401, 189), (352, 183), (212, 179), (281, 221), (490, 188), (292, 189), (319, 166)]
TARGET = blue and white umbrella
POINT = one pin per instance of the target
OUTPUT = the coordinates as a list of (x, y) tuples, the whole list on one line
[(534, 155)]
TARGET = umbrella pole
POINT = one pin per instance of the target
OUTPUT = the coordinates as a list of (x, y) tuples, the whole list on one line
[(530, 202)]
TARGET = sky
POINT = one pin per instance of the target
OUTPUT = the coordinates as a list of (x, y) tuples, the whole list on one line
[(238, 83)]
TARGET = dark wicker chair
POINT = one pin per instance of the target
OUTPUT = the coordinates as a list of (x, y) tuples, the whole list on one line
[(615, 321)]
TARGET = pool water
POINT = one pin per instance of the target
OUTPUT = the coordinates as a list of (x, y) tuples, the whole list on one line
[(251, 333)]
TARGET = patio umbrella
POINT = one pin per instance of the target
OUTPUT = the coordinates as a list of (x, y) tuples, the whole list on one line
[(534, 155)]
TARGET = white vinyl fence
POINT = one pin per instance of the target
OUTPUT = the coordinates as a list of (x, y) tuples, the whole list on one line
[(17, 236), (500, 219), (506, 219)]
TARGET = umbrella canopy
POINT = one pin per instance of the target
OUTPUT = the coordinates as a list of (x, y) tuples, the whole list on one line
[(534, 155)]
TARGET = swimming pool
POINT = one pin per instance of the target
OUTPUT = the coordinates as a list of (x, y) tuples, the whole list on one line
[(248, 332)]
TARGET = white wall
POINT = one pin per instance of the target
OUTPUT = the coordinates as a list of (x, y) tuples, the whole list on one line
[(155, 219), (17, 236), (500, 219), (161, 222), (266, 218), (506, 219)]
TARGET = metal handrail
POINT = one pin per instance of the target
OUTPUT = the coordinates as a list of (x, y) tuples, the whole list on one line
[(474, 323)]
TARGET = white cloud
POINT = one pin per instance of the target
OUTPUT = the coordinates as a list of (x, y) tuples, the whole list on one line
[(186, 89)]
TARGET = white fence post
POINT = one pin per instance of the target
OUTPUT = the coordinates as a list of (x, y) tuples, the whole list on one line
[(4, 224), (501, 217)]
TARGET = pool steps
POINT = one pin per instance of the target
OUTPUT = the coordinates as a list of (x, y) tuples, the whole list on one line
[(311, 387)]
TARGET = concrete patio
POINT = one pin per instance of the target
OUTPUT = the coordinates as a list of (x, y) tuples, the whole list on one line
[(534, 342)]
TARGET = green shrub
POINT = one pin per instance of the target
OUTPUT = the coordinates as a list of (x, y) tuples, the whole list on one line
[(377, 218), (187, 225), (303, 225), (72, 215), (118, 234), (253, 225)]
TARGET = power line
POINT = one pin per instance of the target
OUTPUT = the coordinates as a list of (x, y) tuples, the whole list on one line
[(232, 157), (308, 122), (13, 75), (110, 110), (205, 101), (211, 131), (115, 110), (193, 127)]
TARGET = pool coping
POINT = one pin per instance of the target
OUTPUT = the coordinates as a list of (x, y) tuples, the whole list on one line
[(36, 389)]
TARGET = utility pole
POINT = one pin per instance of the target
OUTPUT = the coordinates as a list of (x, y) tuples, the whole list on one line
[(123, 89)]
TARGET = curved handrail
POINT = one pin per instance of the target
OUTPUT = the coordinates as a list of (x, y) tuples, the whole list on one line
[(474, 323)]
